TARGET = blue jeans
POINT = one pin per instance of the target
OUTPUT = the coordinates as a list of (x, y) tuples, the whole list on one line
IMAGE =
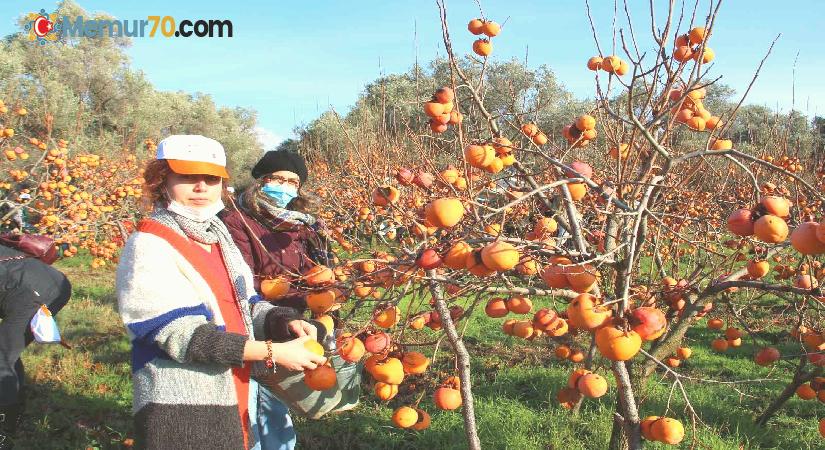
[(270, 422)]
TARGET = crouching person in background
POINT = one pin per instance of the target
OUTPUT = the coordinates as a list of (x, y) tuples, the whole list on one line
[(26, 285)]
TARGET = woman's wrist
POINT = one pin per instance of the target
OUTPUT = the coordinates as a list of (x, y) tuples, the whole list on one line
[(276, 346), (258, 351)]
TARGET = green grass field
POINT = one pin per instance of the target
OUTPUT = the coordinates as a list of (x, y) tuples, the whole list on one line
[(81, 398)]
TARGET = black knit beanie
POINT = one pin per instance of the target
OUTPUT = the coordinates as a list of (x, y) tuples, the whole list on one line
[(274, 161)]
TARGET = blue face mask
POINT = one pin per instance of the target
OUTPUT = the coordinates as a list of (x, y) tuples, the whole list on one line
[(282, 194)]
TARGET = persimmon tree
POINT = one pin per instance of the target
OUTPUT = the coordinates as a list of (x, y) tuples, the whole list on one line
[(638, 218)]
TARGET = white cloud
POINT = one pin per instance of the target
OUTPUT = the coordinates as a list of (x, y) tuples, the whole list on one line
[(267, 138)]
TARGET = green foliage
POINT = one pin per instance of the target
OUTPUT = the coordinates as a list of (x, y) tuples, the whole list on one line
[(100, 104), (388, 113), (388, 116)]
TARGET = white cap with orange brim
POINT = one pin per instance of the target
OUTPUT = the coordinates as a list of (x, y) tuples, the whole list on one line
[(193, 154)]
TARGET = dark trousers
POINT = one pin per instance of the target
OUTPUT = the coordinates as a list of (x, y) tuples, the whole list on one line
[(16, 311)]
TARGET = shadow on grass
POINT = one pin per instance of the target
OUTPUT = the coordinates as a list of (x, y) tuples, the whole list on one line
[(55, 419), (369, 430), (730, 411)]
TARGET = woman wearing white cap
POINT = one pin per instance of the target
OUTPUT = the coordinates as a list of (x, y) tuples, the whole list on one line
[(187, 299)]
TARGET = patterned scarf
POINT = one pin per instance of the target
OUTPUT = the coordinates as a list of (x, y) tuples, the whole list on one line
[(210, 232), (271, 215), (275, 218)]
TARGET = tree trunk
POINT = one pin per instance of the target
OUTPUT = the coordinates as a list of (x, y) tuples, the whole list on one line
[(463, 359), (626, 432), (618, 440)]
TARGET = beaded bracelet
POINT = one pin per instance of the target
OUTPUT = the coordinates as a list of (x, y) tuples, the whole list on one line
[(269, 361)]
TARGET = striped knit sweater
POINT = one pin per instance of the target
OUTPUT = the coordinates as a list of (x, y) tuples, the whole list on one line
[(184, 396)]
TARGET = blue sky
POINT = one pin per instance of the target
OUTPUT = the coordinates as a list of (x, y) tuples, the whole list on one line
[(291, 60)]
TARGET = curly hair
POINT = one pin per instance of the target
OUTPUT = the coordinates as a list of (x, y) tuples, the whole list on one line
[(154, 182)]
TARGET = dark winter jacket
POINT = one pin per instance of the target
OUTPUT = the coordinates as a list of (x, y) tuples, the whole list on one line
[(30, 273), (290, 249)]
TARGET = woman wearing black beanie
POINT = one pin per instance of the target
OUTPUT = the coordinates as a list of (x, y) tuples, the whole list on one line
[(276, 234)]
